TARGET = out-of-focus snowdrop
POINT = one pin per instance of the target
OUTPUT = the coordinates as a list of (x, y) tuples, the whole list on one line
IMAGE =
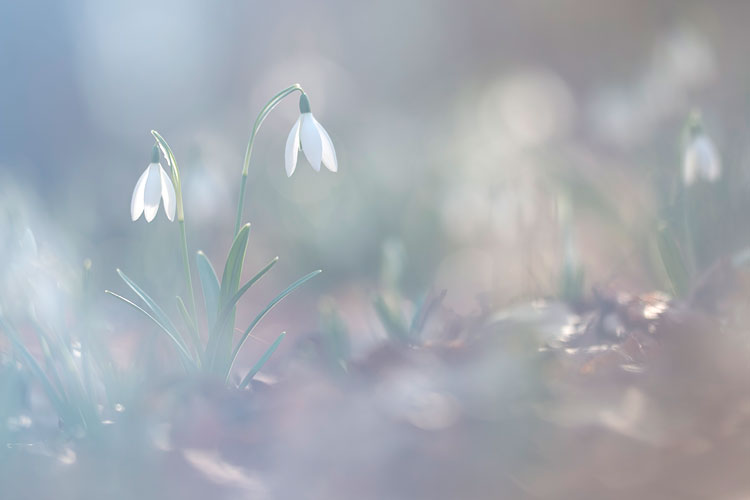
[(700, 158), (701, 161)]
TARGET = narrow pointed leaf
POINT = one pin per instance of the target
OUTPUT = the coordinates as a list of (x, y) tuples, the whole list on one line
[(177, 341), (36, 370), (220, 340), (229, 307), (427, 306), (158, 311), (49, 363), (71, 375), (210, 286), (392, 321), (260, 316), (191, 327), (184, 313), (262, 361), (674, 262), (230, 279)]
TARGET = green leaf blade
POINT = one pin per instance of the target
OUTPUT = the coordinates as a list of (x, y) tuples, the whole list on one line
[(210, 286), (57, 399), (228, 308), (151, 303), (230, 279), (673, 261), (394, 324), (265, 311), (220, 340), (262, 361), (176, 340)]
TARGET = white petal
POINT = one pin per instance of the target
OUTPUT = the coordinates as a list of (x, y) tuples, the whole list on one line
[(136, 202), (167, 194), (701, 161), (152, 194), (292, 148), (329, 154), (688, 169), (312, 143), (710, 163)]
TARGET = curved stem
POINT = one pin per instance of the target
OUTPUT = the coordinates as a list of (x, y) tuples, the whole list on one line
[(167, 152), (275, 100)]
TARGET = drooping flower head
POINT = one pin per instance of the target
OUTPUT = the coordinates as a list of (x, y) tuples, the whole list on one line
[(153, 186), (700, 158), (312, 138)]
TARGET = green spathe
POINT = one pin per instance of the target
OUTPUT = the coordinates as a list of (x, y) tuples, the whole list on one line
[(304, 103), (155, 157)]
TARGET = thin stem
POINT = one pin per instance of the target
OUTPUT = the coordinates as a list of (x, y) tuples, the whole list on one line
[(688, 228), (189, 279), (167, 152), (275, 100)]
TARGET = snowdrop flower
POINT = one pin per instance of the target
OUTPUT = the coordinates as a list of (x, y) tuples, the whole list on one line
[(153, 186), (308, 134), (701, 160)]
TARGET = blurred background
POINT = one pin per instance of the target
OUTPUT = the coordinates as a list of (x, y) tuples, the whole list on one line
[(488, 149), (455, 124)]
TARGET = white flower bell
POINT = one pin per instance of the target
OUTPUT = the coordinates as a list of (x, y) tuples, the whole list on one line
[(153, 186), (315, 142), (701, 159)]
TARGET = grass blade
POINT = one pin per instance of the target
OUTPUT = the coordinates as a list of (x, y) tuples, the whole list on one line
[(177, 341), (674, 262), (265, 311), (184, 313), (192, 328), (158, 311), (262, 361), (34, 367), (392, 321), (49, 363), (230, 279), (229, 307), (71, 376), (427, 306), (220, 340), (210, 286)]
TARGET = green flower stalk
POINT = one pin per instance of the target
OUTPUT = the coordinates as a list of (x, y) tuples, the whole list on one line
[(169, 156), (275, 100), (306, 134)]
